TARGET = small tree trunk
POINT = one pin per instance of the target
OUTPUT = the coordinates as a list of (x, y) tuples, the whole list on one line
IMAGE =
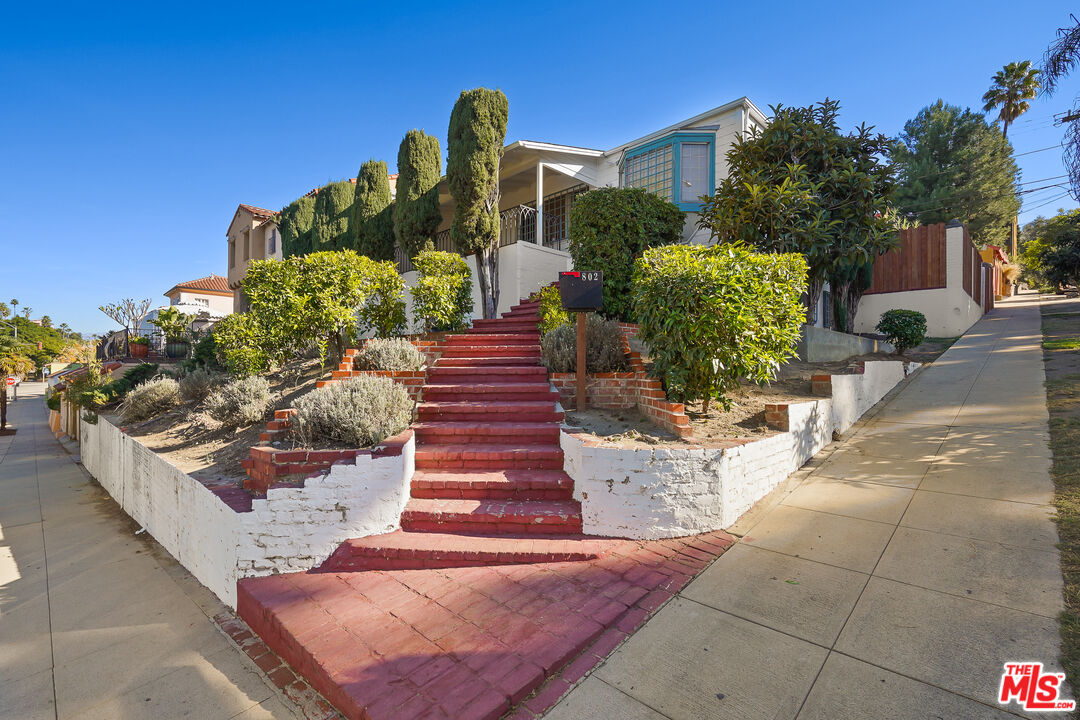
[(487, 273), (813, 292)]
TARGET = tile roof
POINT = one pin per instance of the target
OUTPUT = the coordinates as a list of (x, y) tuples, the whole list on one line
[(258, 211), (212, 282)]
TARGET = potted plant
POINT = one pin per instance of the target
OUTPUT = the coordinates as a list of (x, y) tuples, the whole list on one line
[(174, 325), (139, 346)]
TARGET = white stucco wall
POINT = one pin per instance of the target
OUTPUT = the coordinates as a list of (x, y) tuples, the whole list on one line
[(292, 529), (653, 493), (949, 311)]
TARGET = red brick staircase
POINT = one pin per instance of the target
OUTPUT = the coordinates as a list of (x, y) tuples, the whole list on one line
[(489, 487)]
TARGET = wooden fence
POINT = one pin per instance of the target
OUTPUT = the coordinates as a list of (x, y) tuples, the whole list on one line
[(918, 264)]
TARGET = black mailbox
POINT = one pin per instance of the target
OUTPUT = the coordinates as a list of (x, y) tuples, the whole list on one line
[(582, 290)]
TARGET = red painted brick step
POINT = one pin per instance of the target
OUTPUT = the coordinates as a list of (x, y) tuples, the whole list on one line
[(489, 410), (476, 456), (493, 484), (488, 392), (521, 433), (492, 517), (402, 550)]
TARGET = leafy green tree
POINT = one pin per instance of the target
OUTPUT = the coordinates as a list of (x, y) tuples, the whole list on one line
[(46, 321), (295, 223), (330, 225), (953, 165), (800, 185), (5, 311), (1051, 257), (1013, 86), (416, 208), (610, 228), (372, 223), (474, 151)]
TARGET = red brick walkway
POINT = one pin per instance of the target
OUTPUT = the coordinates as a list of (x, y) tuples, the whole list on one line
[(466, 642)]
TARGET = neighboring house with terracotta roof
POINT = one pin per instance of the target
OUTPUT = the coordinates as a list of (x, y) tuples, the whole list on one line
[(253, 235), (211, 293)]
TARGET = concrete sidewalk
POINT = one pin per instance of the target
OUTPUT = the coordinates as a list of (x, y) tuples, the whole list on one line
[(892, 578), (94, 621)]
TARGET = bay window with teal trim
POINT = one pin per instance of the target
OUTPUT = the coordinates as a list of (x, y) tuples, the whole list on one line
[(680, 167)]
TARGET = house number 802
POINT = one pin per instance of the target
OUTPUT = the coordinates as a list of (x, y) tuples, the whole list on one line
[(590, 276)]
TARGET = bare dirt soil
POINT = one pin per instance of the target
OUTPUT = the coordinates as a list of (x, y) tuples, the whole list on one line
[(199, 446), (746, 416)]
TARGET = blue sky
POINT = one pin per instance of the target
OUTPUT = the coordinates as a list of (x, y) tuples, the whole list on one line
[(129, 133)]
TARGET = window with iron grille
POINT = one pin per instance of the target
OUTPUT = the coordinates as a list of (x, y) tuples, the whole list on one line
[(679, 168), (652, 170), (556, 218), (826, 309)]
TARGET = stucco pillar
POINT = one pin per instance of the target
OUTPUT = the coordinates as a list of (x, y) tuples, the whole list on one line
[(540, 204)]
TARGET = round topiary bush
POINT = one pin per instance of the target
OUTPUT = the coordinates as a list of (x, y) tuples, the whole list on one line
[(610, 228), (904, 329), (358, 412), (150, 399), (603, 352), (388, 354), (240, 402)]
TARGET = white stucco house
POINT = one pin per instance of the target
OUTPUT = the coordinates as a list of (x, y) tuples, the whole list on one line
[(540, 180), (207, 299)]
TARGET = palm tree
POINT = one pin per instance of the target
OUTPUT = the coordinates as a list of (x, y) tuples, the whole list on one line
[(1013, 86)]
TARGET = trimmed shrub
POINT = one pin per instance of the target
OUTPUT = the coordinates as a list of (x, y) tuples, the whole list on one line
[(242, 347), (388, 354), (552, 314), (240, 402), (358, 412), (382, 304), (53, 401), (610, 228), (150, 399), (197, 384), (713, 315), (904, 329), (416, 213), (442, 296), (330, 225), (372, 222), (604, 351), (294, 223)]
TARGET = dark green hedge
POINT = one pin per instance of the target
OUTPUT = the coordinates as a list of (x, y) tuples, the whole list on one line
[(330, 227), (610, 228), (295, 224)]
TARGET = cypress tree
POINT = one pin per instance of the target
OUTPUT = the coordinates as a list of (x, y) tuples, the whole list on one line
[(372, 223), (295, 224), (475, 147), (416, 214), (330, 227)]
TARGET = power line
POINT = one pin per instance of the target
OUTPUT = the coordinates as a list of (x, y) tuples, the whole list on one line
[(1047, 202), (1032, 152)]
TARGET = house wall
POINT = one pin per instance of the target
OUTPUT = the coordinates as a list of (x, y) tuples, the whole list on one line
[(949, 311), (222, 304)]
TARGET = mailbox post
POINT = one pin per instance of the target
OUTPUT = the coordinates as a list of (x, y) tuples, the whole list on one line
[(582, 291)]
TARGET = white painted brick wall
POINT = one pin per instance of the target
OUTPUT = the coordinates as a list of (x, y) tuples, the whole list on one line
[(291, 530), (671, 492)]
